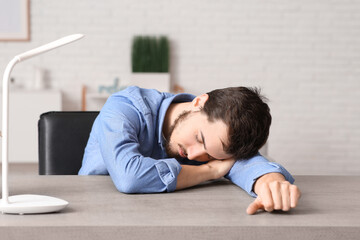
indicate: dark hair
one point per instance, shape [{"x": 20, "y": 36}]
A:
[{"x": 247, "y": 116}]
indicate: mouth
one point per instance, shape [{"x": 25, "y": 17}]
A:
[{"x": 182, "y": 152}]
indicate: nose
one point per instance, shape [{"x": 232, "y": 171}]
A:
[{"x": 196, "y": 152}]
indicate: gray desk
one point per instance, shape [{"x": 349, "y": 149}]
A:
[{"x": 329, "y": 209}]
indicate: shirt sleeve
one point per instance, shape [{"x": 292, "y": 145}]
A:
[
  {"x": 244, "y": 173},
  {"x": 131, "y": 172}
]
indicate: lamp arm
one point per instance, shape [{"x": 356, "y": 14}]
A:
[
  {"x": 49, "y": 46},
  {"x": 5, "y": 128}
]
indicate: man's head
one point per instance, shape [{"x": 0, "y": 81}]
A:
[
  {"x": 224, "y": 123},
  {"x": 245, "y": 113}
]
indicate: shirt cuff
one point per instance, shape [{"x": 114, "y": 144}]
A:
[{"x": 168, "y": 170}]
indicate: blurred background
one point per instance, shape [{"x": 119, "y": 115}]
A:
[{"x": 304, "y": 55}]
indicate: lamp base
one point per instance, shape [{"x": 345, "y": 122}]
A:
[{"x": 32, "y": 204}]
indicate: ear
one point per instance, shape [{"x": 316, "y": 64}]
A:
[{"x": 199, "y": 101}]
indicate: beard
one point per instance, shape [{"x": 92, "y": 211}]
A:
[{"x": 169, "y": 151}]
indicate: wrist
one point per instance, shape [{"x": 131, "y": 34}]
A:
[
  {"x": 212, "y": 171},
  {"x": 208, "y": 171},
  {"x": 193, "y": 175}
]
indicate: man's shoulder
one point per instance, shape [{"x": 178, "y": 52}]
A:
[
  {"x": 139, "y": 94},
  {"x": 143, "y": 100}
]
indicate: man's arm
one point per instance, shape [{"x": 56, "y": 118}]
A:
[
  {"x": 192, "y": 175},
  {"x": 118, "y": 128},
  {"x": 268, "y": 181},
  {"x": 245, "y": 172},
  {"x": 272, "y": 189}
]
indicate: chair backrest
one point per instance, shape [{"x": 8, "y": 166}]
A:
[{"x": 62, "y": 139}]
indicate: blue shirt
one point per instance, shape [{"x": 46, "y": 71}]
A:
[{"x": 126, "y": 142}]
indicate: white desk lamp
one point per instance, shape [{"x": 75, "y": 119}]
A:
[{"x": 27, "y": 203}]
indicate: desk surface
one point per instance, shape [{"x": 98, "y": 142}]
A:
[{"x": 328, "y": 209}]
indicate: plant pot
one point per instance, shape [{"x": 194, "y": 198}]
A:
[{"x": 158, "y": 81}]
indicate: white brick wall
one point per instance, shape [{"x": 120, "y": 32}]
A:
[{"x": 304, "y": 54}]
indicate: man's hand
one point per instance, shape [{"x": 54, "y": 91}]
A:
[
  {"x": 192, "y": 175},
  {"x": 220, "y": 167},
  {"x": 274, "y": 193}
]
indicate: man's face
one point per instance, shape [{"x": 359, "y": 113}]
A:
[{"x": 194, "y": 137}]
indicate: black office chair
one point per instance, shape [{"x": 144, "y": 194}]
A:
[{"x": 62, "y": 140}]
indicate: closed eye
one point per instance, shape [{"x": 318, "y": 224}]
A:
[
  {"x": 201, "y": 141},
  {"x": 197, "y": 139}
]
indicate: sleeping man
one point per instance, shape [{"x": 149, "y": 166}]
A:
[{"x": 149, "y": 142}]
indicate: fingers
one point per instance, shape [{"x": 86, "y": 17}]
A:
[
  {"x": 285, "y": 193},
  {"x": 254, "y": 206},
  {"x": 276, "y": 195},
  {"x": 275, "y": 188},
  {"x": 267, "y": 198},
  {"x": 220, "y": 168},
  {"x": 295, "y": 195}
]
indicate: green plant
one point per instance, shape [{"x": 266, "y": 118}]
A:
[{"x": 150, "y": 54}]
